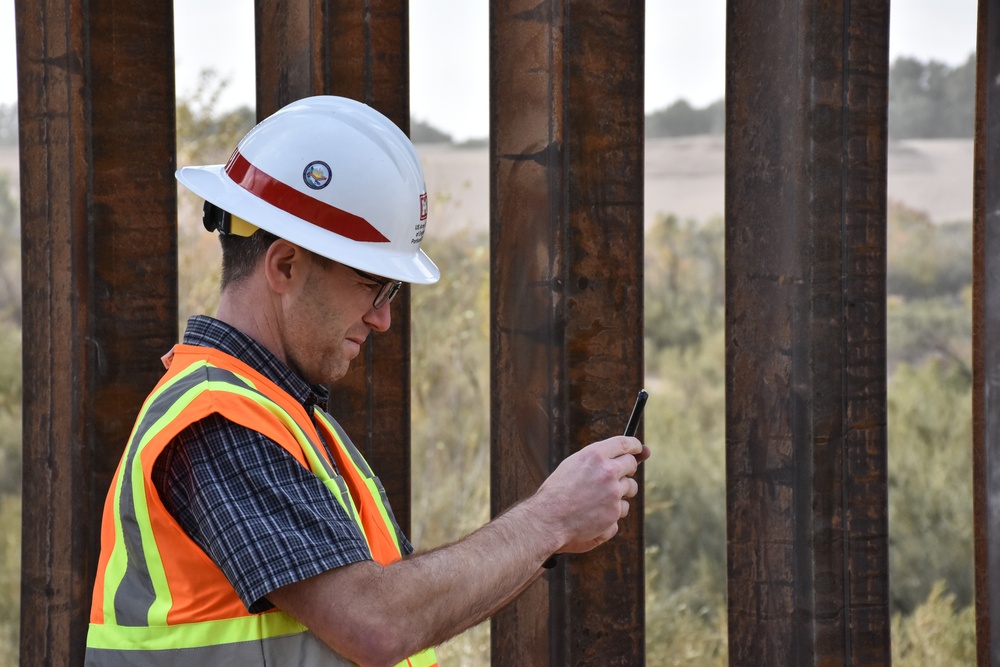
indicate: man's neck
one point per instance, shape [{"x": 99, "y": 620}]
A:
[{"x": 252, "y": 311}]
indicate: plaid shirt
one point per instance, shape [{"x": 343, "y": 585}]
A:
[{"x": 262, "y": 517}]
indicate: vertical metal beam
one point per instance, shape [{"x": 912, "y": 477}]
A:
[
  {"x": 98, "y": 211},
  {"x": 566, "y": 159},
  {"x": 289, "y": 52},
  {"x": 806, "y": 99},
  {"x": 985, "y": 332},
  {"x": 357, "y": 49}
]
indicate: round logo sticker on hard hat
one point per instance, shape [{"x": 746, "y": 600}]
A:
[{"x": 317, "y": 175}]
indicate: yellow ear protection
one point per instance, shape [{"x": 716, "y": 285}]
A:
[{"x": 214, "y": 218}]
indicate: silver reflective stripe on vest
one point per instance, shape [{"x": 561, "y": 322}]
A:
[
  {"x": 300, "y": 650},
  {"x": 135, "y": 595},
  {"x": 362, "y": 465}
]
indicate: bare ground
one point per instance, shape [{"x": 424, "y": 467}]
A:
[{"x": 684, "y": 176}]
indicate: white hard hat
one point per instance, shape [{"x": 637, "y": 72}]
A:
[{"x": 334, "y": 176}]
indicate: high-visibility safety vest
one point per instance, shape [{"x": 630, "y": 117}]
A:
[{"x": 159, "y": 600}]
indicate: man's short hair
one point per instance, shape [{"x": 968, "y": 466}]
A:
[{"x": 240, "y": 254}]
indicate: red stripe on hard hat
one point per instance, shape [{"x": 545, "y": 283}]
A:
[{"x": 290, "y": 200}]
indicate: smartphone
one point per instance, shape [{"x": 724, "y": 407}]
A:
[{"x": 633, "y": 421}]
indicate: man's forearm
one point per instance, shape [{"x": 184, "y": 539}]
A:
[
  {"x": 376, "y": 615},
  {"x": 472, "y": 579},
  {"x": 425, "y": 599}
]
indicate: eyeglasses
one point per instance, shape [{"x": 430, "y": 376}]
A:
[{"x": 387, "y": 289}]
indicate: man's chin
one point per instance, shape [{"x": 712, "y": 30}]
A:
[
  {"x": 339, "y": 372},
  {"x": 328, "y": 375}
]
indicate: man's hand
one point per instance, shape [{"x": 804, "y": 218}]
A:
[{"x": 586, "y": 496}]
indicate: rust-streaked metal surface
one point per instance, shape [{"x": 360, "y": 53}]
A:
[
  {"x": 357, "y": 49},
  {"x": 566, "y": 160},
  {"x": 985, "y": 334},
  {"x": 806, "y": 100},
  {"x": 98, "y": 212}
]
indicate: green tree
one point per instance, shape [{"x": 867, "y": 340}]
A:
[
  {"x": 680, "y": 119},
  {"x": 929, "y": 315},
  {"x": 450, "y": 410},
  {"x": 10, "y": 578},
  {"x": 425, "y": 133},
  {"x": 8, "y": 124},
  {"x": 926, "y": 259},
  {"x": 204, "y": 136},
  {"x": 685, "y": 482},
  {"x": 10, "y": 253},
  {"x": 10, "y": 423},
  {"x": 931, "y": 100},
  {"x": 936, "y": 328},
  {"x": 685, "y": 490},
  {"x": 929, "y": 284},
  {"x": 929, "y": 334},
  {"x": 684, "y": 270},
  {"x": 450, "y": 343},
  {"x": 930, "y": 483},
  {"x": 936, "y": 633}
]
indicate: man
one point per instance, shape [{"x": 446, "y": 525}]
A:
[{"x": 242, "y": 526}]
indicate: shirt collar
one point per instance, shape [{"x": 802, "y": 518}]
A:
[{"x": 207, "y": 331}]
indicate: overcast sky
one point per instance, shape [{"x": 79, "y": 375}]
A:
[{"x": 685, "y": 51}]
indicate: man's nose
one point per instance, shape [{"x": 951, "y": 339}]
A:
[{"x": 379, "y": 319}]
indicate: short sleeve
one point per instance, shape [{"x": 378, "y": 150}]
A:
[{"x": 262, "y": 517}]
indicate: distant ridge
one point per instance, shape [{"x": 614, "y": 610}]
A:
[{"x": 684, "y": 176}]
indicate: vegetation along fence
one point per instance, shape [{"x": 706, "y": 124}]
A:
[{"x": 805, "y": 408}]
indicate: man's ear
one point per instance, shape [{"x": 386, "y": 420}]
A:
[{"x": 284, "y": 263}]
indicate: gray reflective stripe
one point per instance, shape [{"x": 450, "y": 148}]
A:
[
  {"x": 322, "y": 458},
  {"x": 359, "y": 461},
  {"x": 362, "y": 465},
  {"x": 345, "y": 494},
  {"x": 135, "y": 594},
  {"x": 400, "y": 538},
  {"x": 292, "y": 650}
]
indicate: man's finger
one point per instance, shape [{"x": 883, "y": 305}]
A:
[{"x": 620, "y": 445}]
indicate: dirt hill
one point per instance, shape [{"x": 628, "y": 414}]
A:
[{"x": 685, "y": 176}]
